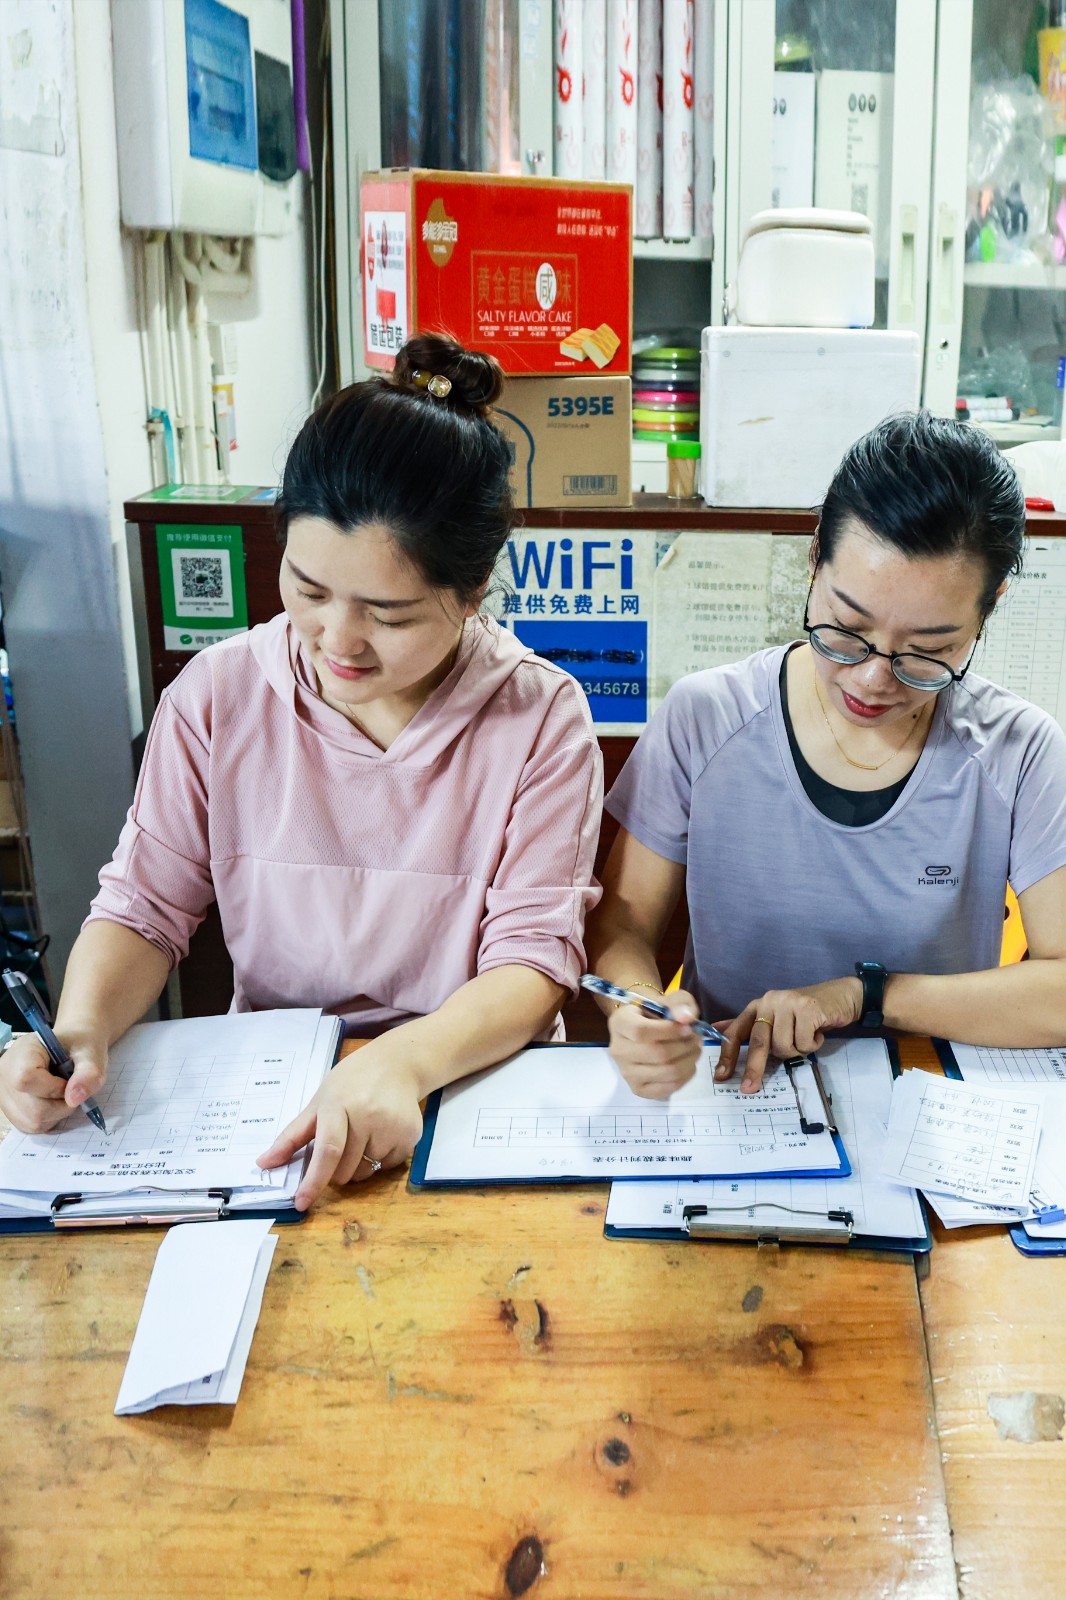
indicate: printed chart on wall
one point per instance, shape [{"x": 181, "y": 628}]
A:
[
  {"x": 583, "y": 601},
  {"x": 201, "y": 584},
  {"x": 721, "y": 596},
  {"x": 1024, "y": 647}
]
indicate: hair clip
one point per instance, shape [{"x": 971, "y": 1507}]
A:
[{"x": 437, "y": 385}]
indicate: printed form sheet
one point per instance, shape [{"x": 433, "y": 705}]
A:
[
  {"x": 1043, "y": 1068},
  {"x": 1024, "y": 645},
  {"x": 978, "y": 1143},
  {"x": 188, "y": 1104},
  {"x": 566, "y": 1112},
  {"x": 858, "y": 1075}
]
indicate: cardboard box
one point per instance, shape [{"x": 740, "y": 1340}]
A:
[
  {"x": 793, "y": 170},
  {"x": 571, "y": 438},
  {"x": 853, "y": 154},
  {"x": 515, "y": 266},
  {"x": 782, "y": 405}
]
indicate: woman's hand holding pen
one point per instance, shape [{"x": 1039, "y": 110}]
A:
[
  {"x": 31, "y": 1097},
  {"x": 365, "y": 1116},
  {"x": 655, "y": 1057},
  {"x": 785, "y": 1023}
]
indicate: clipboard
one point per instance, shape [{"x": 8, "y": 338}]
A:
[
  {"x": 73, "y": 1212},
  {"x": 419, "y": 1177},
  {"x": 1023, "y": 1242},
  {"x": 788, "y": 1225},
  {"x": 158, "y": 1205}
]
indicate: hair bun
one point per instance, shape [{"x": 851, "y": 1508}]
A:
[{"x": 476, "y": 378}]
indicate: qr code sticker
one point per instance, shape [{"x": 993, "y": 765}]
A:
[
  {"x": 201, "y": 577},
  {"x": 203, "y": 584}
]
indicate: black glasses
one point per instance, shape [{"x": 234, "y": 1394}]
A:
[{"x": 848, "y": 649}]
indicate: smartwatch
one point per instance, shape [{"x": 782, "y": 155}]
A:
[{"x": 873, "y": 977}]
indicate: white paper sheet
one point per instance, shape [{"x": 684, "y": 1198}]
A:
[
  {"x": 1044, "y": 1071},
  {"x": 978, "y": 1143},
  {"x": 858, "y": 1075},
  {"x": 989, "y": 1064},
  {"x": 199, "y": 1315},
  {"x": 189, "y": 1105},
  {"x": 1024, "y": 644},
  {"x": 955, "y": 1212},
  {"x": 565, "y": 1112}
]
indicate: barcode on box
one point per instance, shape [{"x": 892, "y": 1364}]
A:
[{"x": 586, "y": 483}]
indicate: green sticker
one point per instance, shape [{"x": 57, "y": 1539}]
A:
[
  {"x": 201, "y": 583},
  {"x": 204, "y": 493}
]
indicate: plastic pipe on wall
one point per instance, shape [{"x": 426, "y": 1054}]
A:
[
  {"x": 181, "y": 354},
  {"x": 153, "y": 428},
  {"x": 299, "y": 86}
]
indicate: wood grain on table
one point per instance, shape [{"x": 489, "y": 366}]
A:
[
  {"x": 473, "y": 1393},
  {"x": 996, "y": 1330}
]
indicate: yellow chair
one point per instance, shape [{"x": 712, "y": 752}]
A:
[{"x": 1014, "y": 944}]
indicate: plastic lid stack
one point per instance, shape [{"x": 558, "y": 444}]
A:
[{"x": 666, "y": 394}]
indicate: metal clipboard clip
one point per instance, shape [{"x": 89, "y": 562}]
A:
[
  {"x": 828, "y": 1124},
  {"x": 92, "y": 1211},
  {"x": 839, "y": 1225}
]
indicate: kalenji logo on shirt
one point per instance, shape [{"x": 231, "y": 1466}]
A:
[{"x": 938, "y": 877}]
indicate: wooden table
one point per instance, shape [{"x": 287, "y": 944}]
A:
[
  {"x": 464, "y": 1394},
  {"x": 996, "y": 1330}
]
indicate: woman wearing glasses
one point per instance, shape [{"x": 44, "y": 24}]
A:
[{"x": 843, "y": 814}]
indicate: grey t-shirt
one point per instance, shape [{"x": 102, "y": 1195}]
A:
[{"x": 780, "y": 896}]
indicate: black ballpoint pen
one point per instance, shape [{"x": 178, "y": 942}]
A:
[{"x": 29, "y": 1002}]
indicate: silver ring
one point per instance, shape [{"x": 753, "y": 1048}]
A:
[{"x": 375, "y": 1166}]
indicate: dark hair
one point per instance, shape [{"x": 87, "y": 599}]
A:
[
  {"x": 433, "y": 468},
  {"x": 930, "y": 486}
]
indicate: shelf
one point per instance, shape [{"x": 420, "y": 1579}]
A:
[
  {"x": 1013, "y": 275},
  {"x": 1027, "y": 430},
  {"x": 673, "y": 249}
]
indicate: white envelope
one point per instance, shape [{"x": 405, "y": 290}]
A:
[{"x": 199, "y": 1316}]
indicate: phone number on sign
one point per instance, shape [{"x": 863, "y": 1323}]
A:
[{"x": 614, "y": 686}]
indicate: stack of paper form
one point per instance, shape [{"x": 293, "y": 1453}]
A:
[
  {"x": 189, "y": 1106},
  {"x": 1033, "y": 1076}
]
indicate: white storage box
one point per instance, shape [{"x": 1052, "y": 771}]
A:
[
  {"x": 806, "y": 268},
  {"x": 780, "y": 406}
]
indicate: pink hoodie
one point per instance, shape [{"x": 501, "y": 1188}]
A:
[{"x": 372, "y": 883}]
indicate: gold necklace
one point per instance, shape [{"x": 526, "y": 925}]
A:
[{"x": 863, "y": 766}]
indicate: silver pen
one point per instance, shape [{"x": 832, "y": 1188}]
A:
[{"x": 653, "y": 1008}]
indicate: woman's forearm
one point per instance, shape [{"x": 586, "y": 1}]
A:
[
  {"x": 1015, "y": 1006},
  {"x": 489, "y": 1018},
  {"x": 113, "y": 976}
]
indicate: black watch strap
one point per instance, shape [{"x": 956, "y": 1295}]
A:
[{"x": 873, "y": 977}]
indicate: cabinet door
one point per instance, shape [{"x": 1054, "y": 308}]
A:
[
  {"x": 831, "y": 104},
  {"x": 996, "y": 320}
]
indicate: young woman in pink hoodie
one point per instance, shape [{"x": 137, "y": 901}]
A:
[{"x": 394, "y": 802}]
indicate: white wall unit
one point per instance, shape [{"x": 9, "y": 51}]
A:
[
  {"x": 753, "y": 26},
  {"x": 948, "y": 220},
  {"x": 912, "y": 143}
]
